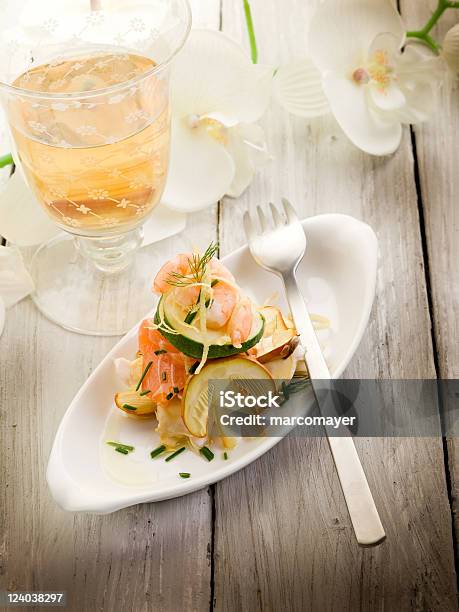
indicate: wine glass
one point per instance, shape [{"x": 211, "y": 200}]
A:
[{"x": 85, "y": 88}]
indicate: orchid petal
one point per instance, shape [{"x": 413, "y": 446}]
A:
[
  {"x": 388, "y": 96},
  {"x": 15, "y": 281},
  {"x": 388, "y": 99},
  {"x": 201, "y": 170},
  {"x": 364, "y": 128},
  {"x": 22, "y": 220},
  {"x": 162, "y": 223},
  {"x": 414, "y": 66},
  {"x": 297, "y": 87},
  {"x": 214, "y": 78},
  {"x": 419, "y": 105},
  {"x": 450, "y": 50},
  {"x": 387, "y": 43},
  {"x": 341, "y": 31},
  {"x": 247, "y": 147}
]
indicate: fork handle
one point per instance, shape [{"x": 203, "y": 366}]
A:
[
  {"x": 364, "y": 516},
  {"x": 317, "y": 366}
]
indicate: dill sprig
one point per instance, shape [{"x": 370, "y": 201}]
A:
[{"x": 198, "y": 266}]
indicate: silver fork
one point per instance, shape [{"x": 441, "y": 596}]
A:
[{"x": 280, "y": 250}]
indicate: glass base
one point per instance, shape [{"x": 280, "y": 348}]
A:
[{"x": 96, "y": 288}]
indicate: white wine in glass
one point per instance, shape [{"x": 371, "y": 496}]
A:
[
  {"x": 97, "y": 170},
  {"x": 85, "y": 88}
]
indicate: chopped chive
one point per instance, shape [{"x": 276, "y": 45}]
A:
[
  {"x": 163, "y": 376},
  {"x": 177, "y": 452},
  {"x": 175, "y": 390},
  {"x": 190, "y": 317},
  {"x": 169, "y": 396},
  {"x": 119, "y": 445},
  {"x": 160, "y": 352},
  {"x": 193, "y": 368},
  {"x": 148, "y": 366},
  {"x": 129, "y": 407},
  {"x": 184, "y": 474},
  {"x": 157, "y": 451},
  {"x": 145, "y": 393},
  {"x": 225, "y": 456},
  {"x": 214, "y": 282},
  {"x": 123, "y": 451},
  {"x": 208, "y": 454}
]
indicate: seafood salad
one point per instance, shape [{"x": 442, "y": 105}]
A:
[{"x": 205, "y": 327}]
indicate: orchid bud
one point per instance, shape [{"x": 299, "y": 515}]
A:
[{"x": 450, "y": 49}]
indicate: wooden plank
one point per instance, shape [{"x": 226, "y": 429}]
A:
[
  {"x": 149, "y": 557},
  {"x": 146, "y": 557},
  {"x": 437, "y": 149},
  {"x": 291, "y": 545}
]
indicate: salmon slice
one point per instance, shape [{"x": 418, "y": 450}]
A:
[{"x": 169, "y": 370}]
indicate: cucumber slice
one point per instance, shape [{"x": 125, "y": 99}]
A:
[
  {"x": 187, "y": 339},
  {"x": 195, "y": 402}
]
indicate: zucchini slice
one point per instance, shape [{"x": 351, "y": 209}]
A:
[
  {"x": 186, "y": 339},
  {"x": 195, "y": 401}
]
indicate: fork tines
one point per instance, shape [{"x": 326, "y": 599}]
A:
[{"x": 277, "y": 219}]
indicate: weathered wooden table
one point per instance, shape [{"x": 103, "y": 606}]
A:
[{"x": 277, "y": 534}]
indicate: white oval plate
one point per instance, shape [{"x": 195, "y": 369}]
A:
[{"x": 337, "y": 277}]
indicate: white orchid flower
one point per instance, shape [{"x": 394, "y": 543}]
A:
[
  {"x": 450, "y": 49},
  {"x": 298, "y": 88},
  {"x": 371, "y": 86},
  {"x": 217, "y": 96},
  {"x": 15, "y": 281}
]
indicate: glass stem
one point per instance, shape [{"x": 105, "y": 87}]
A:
[{"x": 111, "y": 254}]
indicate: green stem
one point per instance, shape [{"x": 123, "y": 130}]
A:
[
  {"x": 6, "y": 160},
  {"x": 425, "y": 38},
  {"x": 251, "y": 32},
  {"x": 438, "y": 12},
  {"x": 423, "y": 35}
]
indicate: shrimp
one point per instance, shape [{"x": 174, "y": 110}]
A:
[
  {"x": 224, "y": 295},
  {"x": 187, "y": 297},
  {"x": 179, "y": 264},
  {"x": 240, "y": 322},
  {"x": 169, "y": 369},
  {"x": 224, "y": 299},
  {"x": 218, "y": 269}
]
